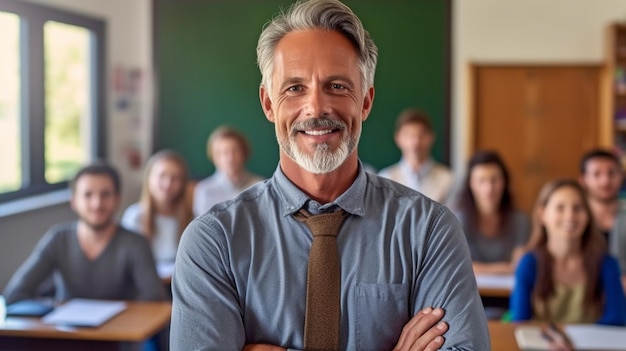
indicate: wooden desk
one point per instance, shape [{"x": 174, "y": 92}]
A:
[
  {"x": 140, "y": 321},
  {"x": 502, "y": 336},
  {"x": 494, "y": 292}
]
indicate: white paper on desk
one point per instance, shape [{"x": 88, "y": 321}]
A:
[
  {"x": 597, "y": 337},
  {"x": 84, "y": 312},
  {"x": 495, "y": 281}
]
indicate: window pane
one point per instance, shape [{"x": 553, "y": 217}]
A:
[
  {"x": 10, "y": 160},
  {"x": 67, "y": 93}
]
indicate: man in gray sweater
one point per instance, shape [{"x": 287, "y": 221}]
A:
[{"x": 92, "y": 257}]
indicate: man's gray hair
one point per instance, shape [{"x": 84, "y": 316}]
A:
[{"x": 317, "y": 14}]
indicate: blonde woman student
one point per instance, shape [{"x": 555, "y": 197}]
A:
[
  {"x": 567, "y": 277},
  {"x": 162, "y": 212}
]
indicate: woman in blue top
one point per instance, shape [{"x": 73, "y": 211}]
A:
[{"x": 568, "y": 277}]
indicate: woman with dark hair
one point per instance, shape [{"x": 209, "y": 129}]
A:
[
  {"x": 568, "y": 277},
  {"x": 496, "y": 232}
]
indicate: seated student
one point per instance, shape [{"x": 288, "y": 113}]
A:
[
  {"x": 601, "y": 176},
  {"x": 568, "y": 277},
  {"x": 229, "y": 151},
  {"x": 417, "y": 170},
  {"x": 92, "y": 257},
  {"x": 496, "y": 232},
  {"x": 161, "y": 213}
]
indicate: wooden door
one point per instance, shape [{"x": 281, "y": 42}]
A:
[{"x": 540, "y": 119}]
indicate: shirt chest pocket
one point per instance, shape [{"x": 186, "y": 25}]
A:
[{"x": 381, "y": 312}]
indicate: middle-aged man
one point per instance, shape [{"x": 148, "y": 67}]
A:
[
  {"x": 601, "y": 176},
  {"x": 244, "y": 278}
]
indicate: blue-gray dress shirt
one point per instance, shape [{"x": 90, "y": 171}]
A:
[{"x": 241, "y": 269}]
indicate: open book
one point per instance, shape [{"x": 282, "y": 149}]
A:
[
  {"x": 84, "y": 312},
  {"x": 530, "y": 338},
  {"x": 583, "y": 337}
]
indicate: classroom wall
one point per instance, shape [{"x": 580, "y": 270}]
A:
[
  {"x": 529, "y": 31},
  {"x": 497, "y": 31},
  {"x": 129, "y": 46}
]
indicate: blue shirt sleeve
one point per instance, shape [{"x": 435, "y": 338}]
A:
[
  {"x": 206, "y": 309},
  {"x": 521, "y": 297},
  {"x": 614, "y": 309}
]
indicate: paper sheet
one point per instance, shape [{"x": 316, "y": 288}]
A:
[
  {"x": 494, "y": 281},
  {"x": 584, "y": 337},
  {"x": 597, "y": 337},
  {"x": 84, "y": 312}
]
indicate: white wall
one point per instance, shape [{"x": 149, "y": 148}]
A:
[
  {"x": 129, "y": 45},
  {"x": 526, "y": 31}
]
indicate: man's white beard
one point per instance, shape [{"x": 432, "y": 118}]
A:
[{"x": 323, "y": 160}]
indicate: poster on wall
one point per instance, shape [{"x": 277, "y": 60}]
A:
[{"x": 127, "y": 89}]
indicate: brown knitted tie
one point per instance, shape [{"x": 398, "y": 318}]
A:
[{"x": 322, "y": 320}]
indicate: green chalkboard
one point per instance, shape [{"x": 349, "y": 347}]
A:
[{"x": 205, "y": 59}]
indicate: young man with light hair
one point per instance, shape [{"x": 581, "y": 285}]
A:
[{"x": 417, "y": 169}]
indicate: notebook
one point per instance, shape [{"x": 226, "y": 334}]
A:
[
  {"x": 29, "y": 308},
  {"x": 530, "y": 338},
  {"x": 583, "y": 337},
  {"x": 84, "y": 312}
]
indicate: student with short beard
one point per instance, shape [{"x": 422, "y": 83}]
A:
[
  {"x": 92, "y": 257},
  {"x": 601, "y": 176}
]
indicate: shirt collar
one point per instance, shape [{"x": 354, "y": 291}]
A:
[{"x": 293, "y": 199}]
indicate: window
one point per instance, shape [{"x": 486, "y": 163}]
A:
[
  {"x": 51, "y": 97},
  {"x": 66, "y": 82},
  {"x": 11, "y": 177}
]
